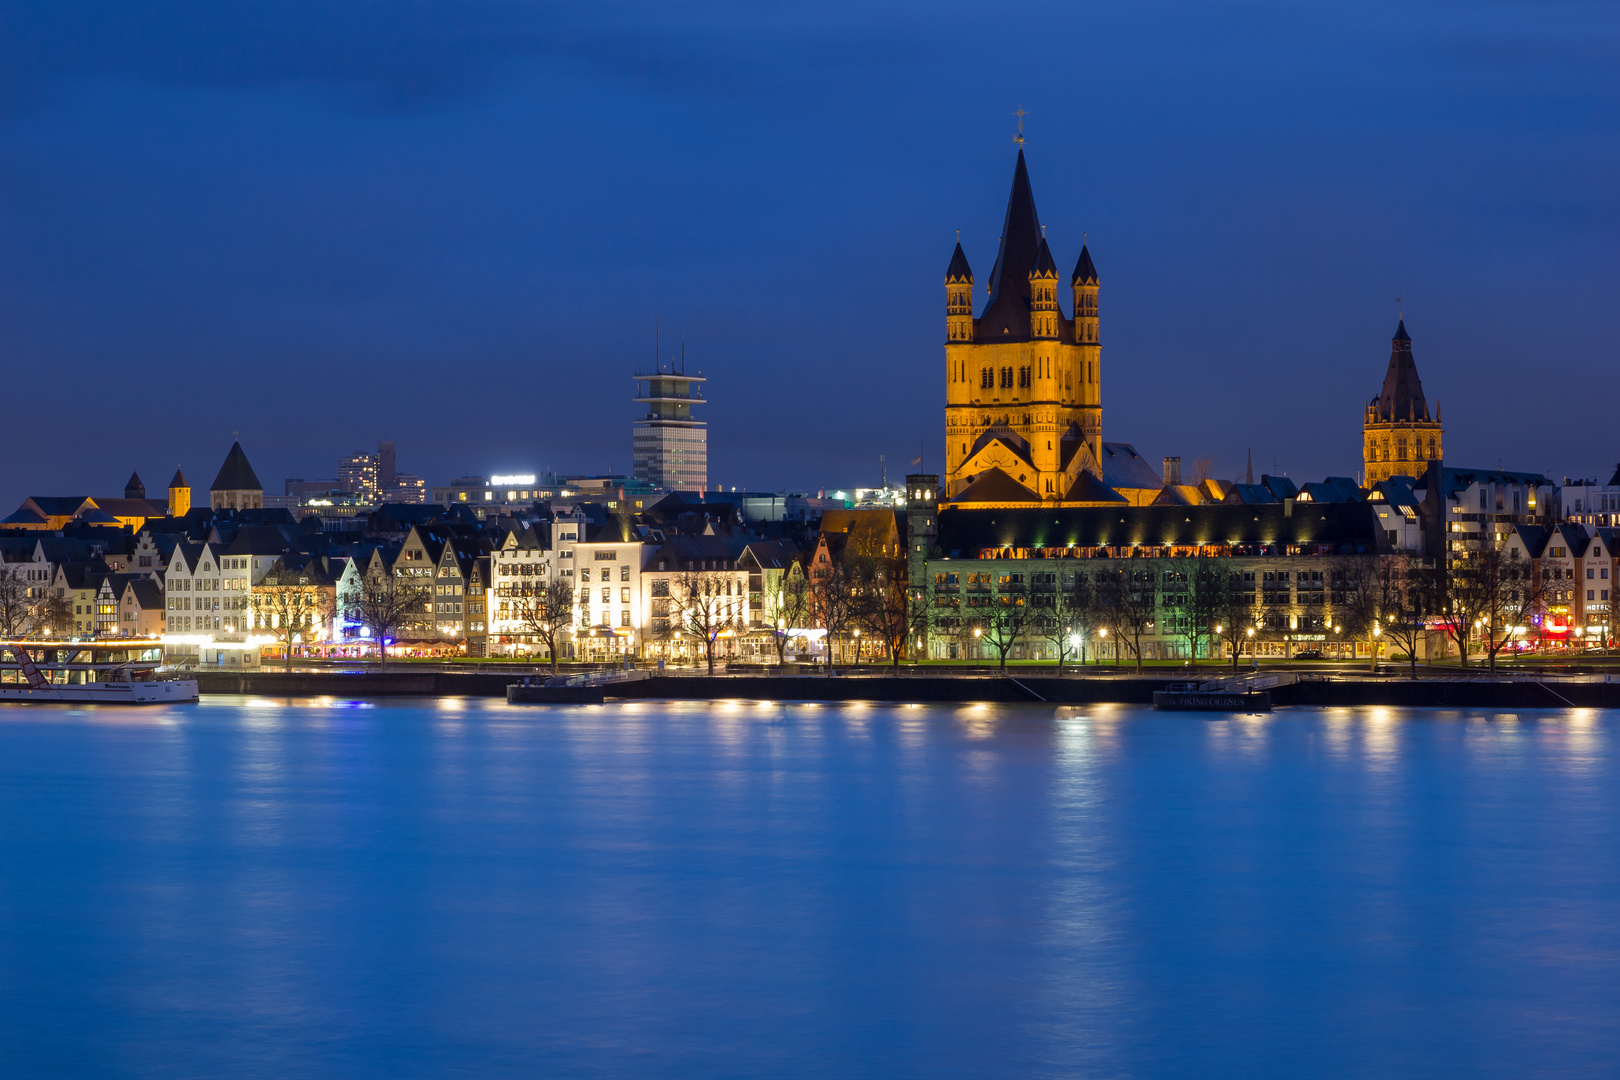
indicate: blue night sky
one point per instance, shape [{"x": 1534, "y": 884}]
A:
[{"x": 452, "y": 224}]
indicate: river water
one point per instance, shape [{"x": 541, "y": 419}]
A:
[{"x": 448, "y": 888}]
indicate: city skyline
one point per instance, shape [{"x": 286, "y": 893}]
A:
[{"x": 426, "y": 205}]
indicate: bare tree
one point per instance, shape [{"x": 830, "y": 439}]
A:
[
  {"x": 17, "y": 604},
  {"x": 1233, "y": 608},
  {"x": 1192, "y": 597},
  {"x": 884, "y": 606},
  {"x": 1131, "y": 600},
  {"x": 1505, "y": 593},
  {"x": 788, "y": 608},
  {"x": 289, "y": 604},
  {"x": 1465, "y": 589},
  {"x": 386, "y": 601},
  {"x": 1064, "y": 614},
  {"x": 1406, "y": 622},
  {"x": 1521, "y": 596},
  {"x": 546, "y": 610},
  {"x": 1366, "y": 595},
  {"x": 832, "y": 592},
  {"x": 704, "y": 612},
  {"x": 1005, "y": 622},
  {"x": 54, "y": 611}
]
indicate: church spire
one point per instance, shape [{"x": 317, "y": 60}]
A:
[{"x": 1006, "y": 316}]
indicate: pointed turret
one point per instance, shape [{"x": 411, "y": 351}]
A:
[
  {"x": 1044, "y": 315},
  {"x": 1402, "y": 396},
  {"x": 134, "y": 489},
  {"x": 1085, "y": 273},
  {"x": 1044, "y": 266},
  {"x": 959, "y": 298},
  {"x": 1084, "y": 284},
  {"x": 1006, "y": 316}
]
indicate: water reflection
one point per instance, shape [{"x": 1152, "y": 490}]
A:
[{"x": 288, "y": 888}]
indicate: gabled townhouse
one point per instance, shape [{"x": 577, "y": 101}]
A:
[
  {"x": 770, "y": 565},
  {"x": 194, "y": 584},
  {"x": 141, "y": 610},
  {"x": 294, "y": 602},
  {"x": 521, "y": 569},
  {"x": 609, "y": 613},
  {"x": 705, "y": 563},
  {"x": 455, "y": 563},
  {"x": 77, "y": 583}
]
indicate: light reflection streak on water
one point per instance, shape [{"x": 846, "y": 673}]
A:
[{"x": 679, "y": 889}]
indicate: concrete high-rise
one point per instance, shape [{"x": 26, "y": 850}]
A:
[{"x": 670, "y": 447}]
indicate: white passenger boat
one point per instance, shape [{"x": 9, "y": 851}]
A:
[{"x": 90, "y": 673}]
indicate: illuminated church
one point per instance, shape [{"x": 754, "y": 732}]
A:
[{"x": 1023, "y": 382}]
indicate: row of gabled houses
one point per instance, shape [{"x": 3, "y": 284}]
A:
[{"x": 208, "y": 579}]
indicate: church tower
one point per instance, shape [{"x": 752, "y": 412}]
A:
[
  {"x": 1398, "y": 437},
  {"x": 179, "y": 494},
  {"x": 1022, "y": 380}
]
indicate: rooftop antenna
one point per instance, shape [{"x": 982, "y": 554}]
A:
[
  {"x": 1020, "y": 113},
  {"x": 1400, "y": 307},
  {"x": 883, "y": 472},
  {"x": 683, "y": 356}
]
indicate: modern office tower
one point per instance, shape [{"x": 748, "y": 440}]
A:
[
  {"x": 670, "y": 448},
  {"x": 357, "y": 474}
]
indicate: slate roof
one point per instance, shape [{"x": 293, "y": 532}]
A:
[
  {"x": 1085, "y": 273},
  {"x": 1006, "y": 316},
  {"x": 1348, "y": 527},
  {"x": 1087, "y": 488},
  {"x": 1123, "y": 467},
  {"x": 1279, "y": 486},
  {"x": 1334, "y": 489},
  {"x": 179, "y": 480},
  {"x": 959, "y": 272},
  {"x": 236, "y": 474},
  {"x": 23, "y": 516},
  {"x": 995, "y": 486},
  {"x": 1249, "y": 495},
  {"x": 1044, "y": 266},
  {"x": 259, "y": 540},
  {"x": 134, "y": 489},
  {"x": 131, "y": 508},
  {"x": 148, "y": 594},
  {"x": 1402, "y": 396},
  {"x": 1455, "y": 481}
]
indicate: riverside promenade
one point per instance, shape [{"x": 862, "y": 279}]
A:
[{"x": 1511, "y": 691}]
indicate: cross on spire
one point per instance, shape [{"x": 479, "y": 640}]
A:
[{"x": 1020, "y": 112}]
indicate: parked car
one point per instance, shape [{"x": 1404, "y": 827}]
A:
[{"x": 1308, "y": 654}]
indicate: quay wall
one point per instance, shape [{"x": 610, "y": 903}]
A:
[{"x": 922, "y": 689}]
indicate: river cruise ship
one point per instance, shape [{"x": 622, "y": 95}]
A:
[{"x": 89, "y": 673}]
